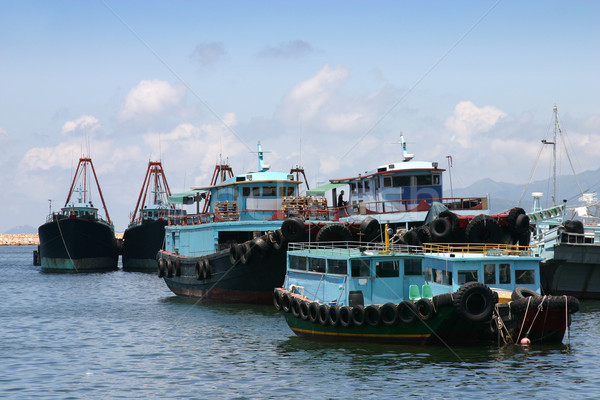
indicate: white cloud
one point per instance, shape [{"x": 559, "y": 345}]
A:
[
  {"x": 148, "y": 99},
  {"x": 469, "y": 120},
  {"x": 86, "y": 124}
]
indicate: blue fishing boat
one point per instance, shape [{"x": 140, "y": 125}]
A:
[
  {"x": 78, "y": 239},
  {"x": 232, "y": 250},
  {"x": 145, "y": 235},
  {"x": 435, "y": 293}
]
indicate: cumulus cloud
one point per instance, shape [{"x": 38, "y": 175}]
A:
[
  {"x": 469, "y": 120},
  {"x": 208, "y": 53},
  {"x": 291, "y": 49},
  {"x": 86, "y": 124},
  {"x": 305, "y": 99},
  {"x": 149, "y": 98}
]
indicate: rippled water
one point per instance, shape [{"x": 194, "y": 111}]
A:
[{"x": 125, "y": 335}]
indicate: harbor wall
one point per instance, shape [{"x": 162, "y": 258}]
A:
[{"x": 21, "y": 239}]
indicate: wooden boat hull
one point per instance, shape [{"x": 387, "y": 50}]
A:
[
  {"x": 77, "y": 245},
  {"x": 228, "y": 281},
  {"x": 141, "y": 244}
]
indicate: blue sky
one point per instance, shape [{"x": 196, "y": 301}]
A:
[{"x": 328, "y": 85}]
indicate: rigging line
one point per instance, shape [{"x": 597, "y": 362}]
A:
[
  {"x": 422, "y": 78},
  {"x": 187, "y": 86},
  {"x": 562, "y": 137}
]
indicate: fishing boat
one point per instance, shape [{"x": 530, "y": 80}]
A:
[
  {"x": 78, "y": 239},
  {"x": 232, "y": 250},
  {"x": 145, "y": 235},
  {"x": 431, "y": 294},
  {"x": 569, "y": 243}
]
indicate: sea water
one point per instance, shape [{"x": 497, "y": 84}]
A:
[{"x": 125, "y": 335}]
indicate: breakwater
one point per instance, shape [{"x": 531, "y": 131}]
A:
[{"x": 19, "y": 239}]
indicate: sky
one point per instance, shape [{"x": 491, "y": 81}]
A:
[{"x": 326, "y": 85}]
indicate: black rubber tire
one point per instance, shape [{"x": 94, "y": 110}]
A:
[
  {"x": 407, "y": 312},
  {"x": 246, "y": 253},
  {"x": 334, "y": 315},
  {"x": 286, "y": 302},
  {"x": 369, "y": 228},
  {"x": 334, "y": 233},
  {"x": 440, "y": 228},
  {"x": 425, "y": 309},
  {"x": 521, "y": 292},
  {"x": 452, "y": 218},
  {"x": 358, "y": 315},
  {"x": 442, "y": 300},
  {"x": 373, "y": 315},
  {"x": 161, "y": 267},
  {"x": 260, "y": 247},
  {"x": 206, "y": 269},
  {"x": 323, "y": 314},
  {"x": 278, "y": 240},
  {"x": 198, "y": 270},
  {"x": 313, "y": 312},
  {"x": 293, "y": 229},
  {"x": 524, "y": 238},
  {"x": 169, "y": 269},
  {"x": 553, "y": 302},
  {"x": 412, "y": 238},
  {"x": 235, "y": 253},
  {"x": 424, "y": 234},
  {"x": 177, "y": 267},
  {"x": 474, "y": 302},
  {"x": 304, "y": 310},
  {"x": 515, "y": 220},
  {"x": 573, "y": 226},
  {"x": 346, "y": 316},
  {"x": 277, "y": 299},
  {"x": 483, "y": 229},
  {"x": 295, "y": 307},
  {"x": 389, "y": 314}
]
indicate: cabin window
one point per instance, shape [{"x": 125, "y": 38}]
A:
[
  {"x": 504, "y": 273},
  {"x": 256, "y": 191},
  {"x": 387, "y": 181},
  {"x": 291, "y": 191},
  {"x": 465, "y": 276},
  {"x": 387, "y": 269},
  {"x": 359, "y": 187},
  {"x": 436, "y": 179},
  {"x": 245, "y": 191},
  {"x": 360, "y": 268},
  {"x": 269, "y": 191},
  {"x": 399, "y": 181},
  {"x": 316, "y": 265},
  {"x": 412, "y": 266},
  {"x": 440, "y": 276},
  {"x": 298, "y": 263},
  {"x": 489, "y": 274},
  {"x": 339, "y": 267},
  {"x": 526, "y": 276},
  {"x": 353, "y": 187},
  {"x": 423, "y": 180},
  {"x": 367, "y": 186},
  {"x": 282, "y": 191}
]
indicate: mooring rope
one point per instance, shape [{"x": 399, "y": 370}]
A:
[{"x": 65, "y": 244}]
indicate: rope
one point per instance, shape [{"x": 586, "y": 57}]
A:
[
  {"x": 523, "y": 323},
  {"x": 65, "y": 244},
  {"x": 566, "y": 319},
  {"x": 540, "y": 307}
]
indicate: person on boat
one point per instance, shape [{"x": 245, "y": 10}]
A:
[{"x": 341, "y": 201}]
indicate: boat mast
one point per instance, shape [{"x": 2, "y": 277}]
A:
[
  {"x": 83, "y": 163},
  {"x": 553, "y": 143},
  {"x": 155, "y": 174}
]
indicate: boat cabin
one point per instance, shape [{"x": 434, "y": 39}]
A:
[{"x": 327, "y": 273}]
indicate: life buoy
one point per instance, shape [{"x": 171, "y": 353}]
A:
[
  {"x": 161, "y": 267},
  {"x": 259, "y": 246},
  {"x": 369, "y": 228},
  {"x": 323, "y": 314},
  {"x": 425, "y": 309},
  {"x": 372, "y": 315},
  {"x": 334, "y": 233},
  {"x": 483, "y": 229},
  {"x": 235, "y": 253},
  {"x": 313, "y": 312},
  {"x": 169, "y": 269},
  {"x": 295, "y": 307},
  {"x": 293, "y": 229},
  {"x": 522, "y": 292},
  {"x": 358, "y": 315},
  {"x": 440, "y": 228},
  {"x": 198, "y": 270},
  {"x": 474, "y": 301},
  {"x": 389, "y": 314},
  {"x": 277, "y": 299},
  {"x": 304, "y": 310},
  {"x": 286, "y": 302},
  {"x": 345, "y": 316},
  {"x": 334, "y": 315},
  {"x": 407, "y": 312}
]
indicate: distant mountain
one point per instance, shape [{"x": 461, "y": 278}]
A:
[
  {"x": 504, "y": 196},
  {"x": 25, "y": 229}
]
